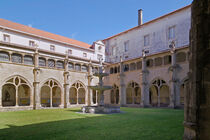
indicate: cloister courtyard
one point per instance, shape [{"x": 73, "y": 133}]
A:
[{"x": 58, "y": 124}]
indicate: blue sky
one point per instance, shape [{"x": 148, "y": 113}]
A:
[{"x": 85, "y": 20}]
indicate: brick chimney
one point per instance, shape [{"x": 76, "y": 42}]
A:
[{"x": 140, "y": 17}]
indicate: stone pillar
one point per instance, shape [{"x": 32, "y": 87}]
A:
[
  {"x": 66, "y": 83},
  {"x": 145, "y": 85},
  {"x": 122, "y": 86},
  {"x": 175, "y": 92},
  {"x": 158, "y": 96},
  {"x": 197, "y": 98},
  {"x": 0, "y": 98},
  {"x": 90, "y": 91},
  {"x": 51, "y": 98},
  {"x": 16, "y": 95},
  {"x": 32, "y": 98},
  {"x": 36, "y": 72}
]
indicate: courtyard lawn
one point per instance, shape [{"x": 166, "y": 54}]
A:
[{"x": 58, "y": 124}]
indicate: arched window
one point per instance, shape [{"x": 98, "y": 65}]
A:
[
  {"x": 115, "y": 69},
  {"x": 4, "y": 56},
  {"x": 133, "y": 93},
  {"x": 16, "y": 91},
  {"x": 167, "y": 59},
  {"x": 78, "y": 67},
  {"x": 126, "y": 67},
  {"x": 77, "y": 93},
  {"x": 181, "y": 57},
  {"x": 71, "y": 66},
  {"x": 158, "y": 61},
  {"x": 28, "y": 60},
  {"x": 16, "y": 58},
  {"x": 111, "y": 70},
  {"x": 133, "y": 66},
  {"x": 42, "y": 62},
  {"x": 149, "y": 63},
  {"x": 84, "y": 68},
  {"x": 51, "y": 63},
  {"x": 60, "y": 65},
  {"x": 139, "y": 65}
]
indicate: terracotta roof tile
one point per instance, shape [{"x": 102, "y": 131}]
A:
[{"x": 30, "y": 30}]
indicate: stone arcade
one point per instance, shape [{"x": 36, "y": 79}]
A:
[{"x": 147, "y": 66}]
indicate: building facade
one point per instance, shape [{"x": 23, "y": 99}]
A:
[
  {"x": 148, "y": 65},
  {"x": 39, "y": 69}
]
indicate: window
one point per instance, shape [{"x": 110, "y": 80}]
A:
[
  {"x": 28, "y": 60},
  {"x": 114, "y": 50},
  {"x": 146, "y": 40},
  {"x": 139, "y": 65},
  {"x": 51, "y": 63},
  {"x": 69, "y": 52},
  {"x": 84, "y": 68},
  {"x": 60, "y": 65},
  {"x": 99, "y": 56},
  {"x": 158, "y": 61},
  {"x": 115, "y": 69},
  {"x": 4, "y": 56},
  {"x": 133, "y": 66},
  {"x": 16, "y": 58},
  {"x": 6, "y": 38},
  {"x": 167, "y": 59},
  {"x": 171, "y": 32},
  {"x": 126, "y": 67},
  {"x": 78, "y": 67},
  {"x": 99, "y": 48},
  {"x": 31, "y": 43},
  {"x": 84, "y": 54},
  {"x": 52, "y": 47},
  {"x": 126, "y": 45},
  {"x": 42, "y": 62},
  {"x": 111, "y": 70},
  {"x": 149, "y": 63},
  {"x": 71, "y": 66}
]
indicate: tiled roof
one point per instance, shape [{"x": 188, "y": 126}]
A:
[
  {"x": 183, "y": 8},
  {"x": 37, "y": 32}
]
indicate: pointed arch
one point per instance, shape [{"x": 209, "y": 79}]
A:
[
  {"x": 16, "y": 91},
  {"x": 159, "y": 92},
  {"x": 133, "y": 93},
  {"x": 51, "y": 93},
  {"x": 77, "y": 93},
  {"x": 114, "y": 94}
]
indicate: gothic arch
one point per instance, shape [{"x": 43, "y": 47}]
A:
[
  {"x": 77, "y": 93},
  {"x": 159, "y": 93},
  {"x": 133, "y": 93},
  {"x": 16, "y": 91},
  {"x": 114, "y": 94},
  {"x": 51, "y": 93}
]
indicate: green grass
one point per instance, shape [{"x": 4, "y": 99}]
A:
[{"x": 52, "y": 124}]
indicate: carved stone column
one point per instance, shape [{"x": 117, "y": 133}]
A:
[
  {"x": 122, "y": 86},
  {"x": 66, "y": 83},
  {"x": 197, "y": 98},
  {"x": 36, "y": 72},
  {"x": 175, "y": 92},
  {"x": 90, "y": 91},
  {"x": 144, "y": 85},
  {"x": 0, "y": 98}
]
